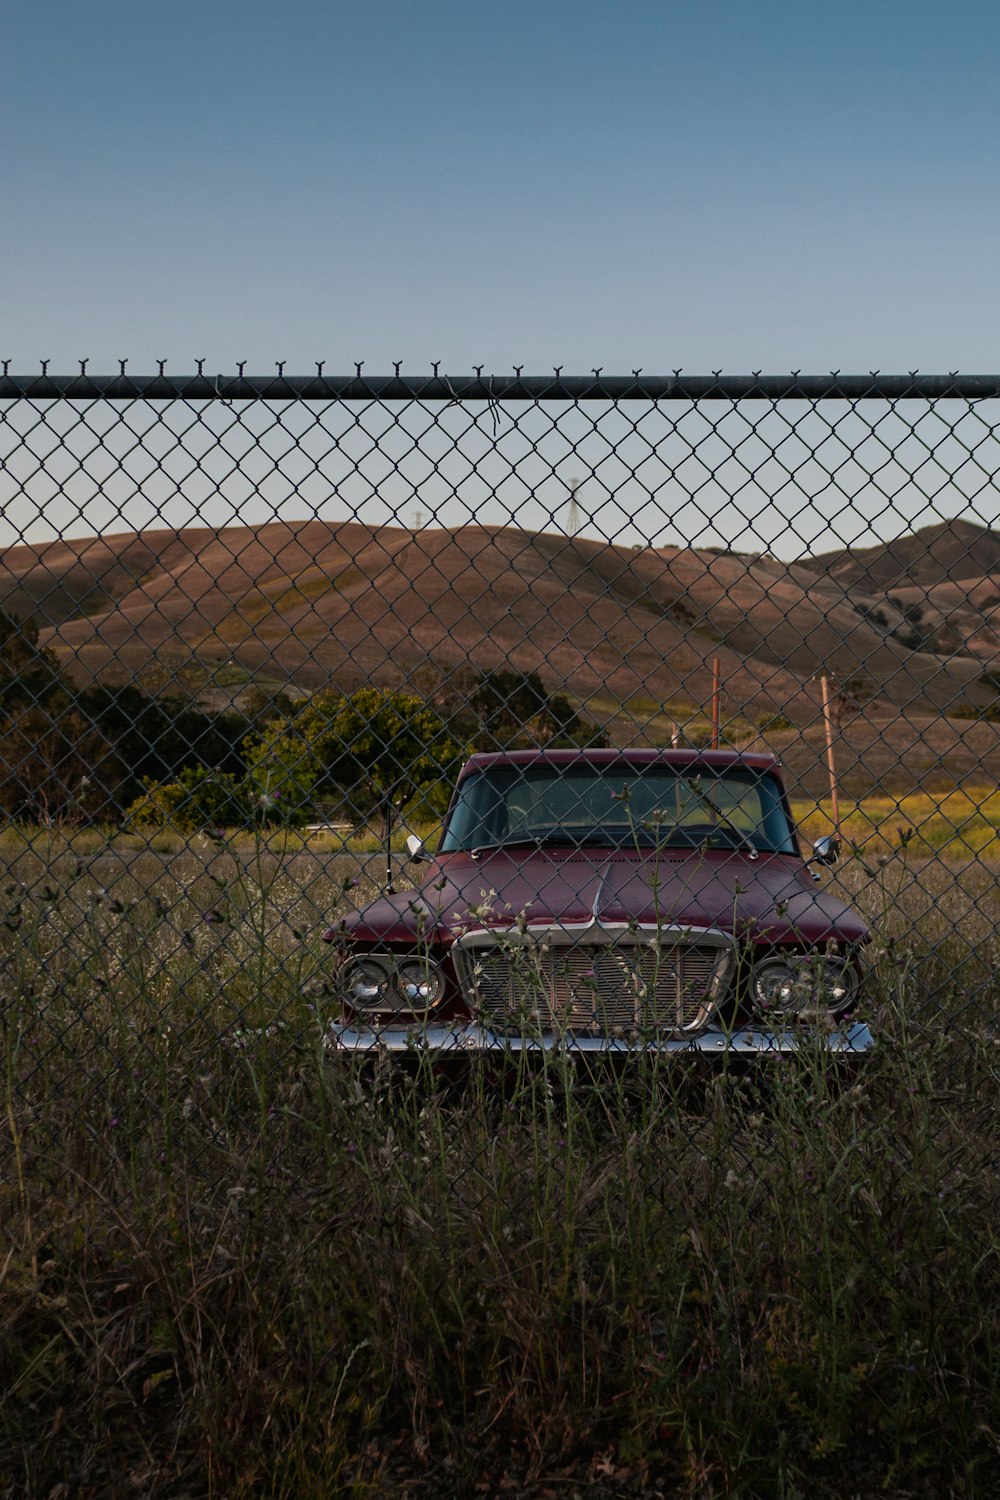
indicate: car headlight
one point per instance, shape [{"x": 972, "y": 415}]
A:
[
  {"x": 803, "y": 984},
  {"x": 386, "y": 984},
  {"x": 366, "y": 984},
  {"x": 419, "y": 984}
]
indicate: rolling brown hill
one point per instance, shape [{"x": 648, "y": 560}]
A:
[
  {"x": 314, "y": 603},
  {"x": 947, "y": 552},
  {"x": 937, "y": 589}
]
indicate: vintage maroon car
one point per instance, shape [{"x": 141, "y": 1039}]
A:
[{"x": 608, "y": 900}]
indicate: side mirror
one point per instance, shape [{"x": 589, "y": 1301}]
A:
[
  {"x": 826, "y": 851},
  {"x": 415, "y": 848}
]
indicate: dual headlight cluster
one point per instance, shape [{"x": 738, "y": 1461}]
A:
[
  {"x": 803, "y": 984},
  {"x": 799, "y": 984},
  {"x": 387, "y": 983}
]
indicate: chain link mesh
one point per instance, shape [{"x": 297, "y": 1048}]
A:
[
  {"x": 583, "y": 732},
  {"x": 249, "y": 639}
]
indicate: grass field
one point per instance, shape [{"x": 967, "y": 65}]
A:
[
  {"x": 232, "y": 1265},
  {"x": 955, "y": 825}
]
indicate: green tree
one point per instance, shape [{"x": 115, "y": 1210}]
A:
[
  {"x": 283, "y": 763},
  {"x": 377, "y": 752},
  {"x": 55, "y": 766},
  {"x": 512, "y": 711},
  {"x": 29, "y": 673}
]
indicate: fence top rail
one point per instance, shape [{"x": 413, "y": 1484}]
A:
[{"x": 492, "y": 388}]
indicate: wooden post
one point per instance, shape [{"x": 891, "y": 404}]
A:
[
  {"x": 716, "y": 705},
  {"x": 831, "y": 763}
]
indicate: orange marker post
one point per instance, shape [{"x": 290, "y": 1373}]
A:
[
  {"x": 716, "y": 703},
  {"x": 831, "y": 763}
]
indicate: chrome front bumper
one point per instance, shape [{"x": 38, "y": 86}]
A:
[{"x": 473, "y": 1038}]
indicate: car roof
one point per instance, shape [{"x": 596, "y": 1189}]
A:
[{"x": 713, "y": 759}]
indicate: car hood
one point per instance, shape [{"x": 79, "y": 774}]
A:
[{"x": 772, "y": 898}]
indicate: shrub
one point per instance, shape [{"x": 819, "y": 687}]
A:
[
  {"x": 859, "y": 688},
  {"x": 198, "y": 798},
  {"x": 157, "y": 737},
  {"x": 990, "y": 712},
  {"x": 773, "y": 723}
]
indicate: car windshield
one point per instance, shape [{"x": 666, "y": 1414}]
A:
[{"x": 621, "y": 807}]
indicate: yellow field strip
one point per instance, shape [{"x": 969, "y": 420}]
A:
[{"x": 956, "y": 824}]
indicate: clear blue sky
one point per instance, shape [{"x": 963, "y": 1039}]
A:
[{"x": 573, "y": 182}]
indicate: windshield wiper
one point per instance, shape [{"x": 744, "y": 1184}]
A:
[
  {"x": 526, "y": 841},
  {"x": 692, "y": 785}
]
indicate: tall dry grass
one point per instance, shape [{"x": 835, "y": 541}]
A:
[{"x": 233, "y": 1264}]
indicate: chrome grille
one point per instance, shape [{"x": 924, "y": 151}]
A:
[{"x": 593, "y": 989}]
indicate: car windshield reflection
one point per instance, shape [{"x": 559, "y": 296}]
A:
[{"x": 513, "y": 807}]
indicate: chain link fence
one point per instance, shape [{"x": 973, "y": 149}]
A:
[
  {"x": 720, "y": 658},
  {"x": 260, "y": 625}
]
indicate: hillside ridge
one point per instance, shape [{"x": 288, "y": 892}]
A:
[{"x": 316, "y": 602}]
